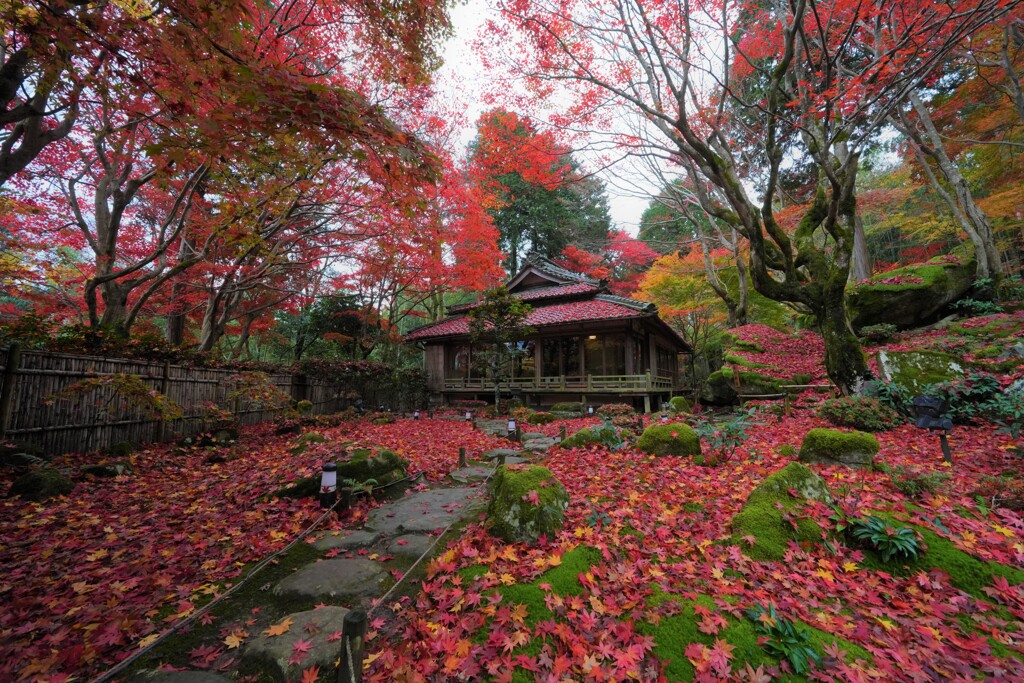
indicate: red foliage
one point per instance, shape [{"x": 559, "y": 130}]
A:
[{"x": 784, "y": 355}]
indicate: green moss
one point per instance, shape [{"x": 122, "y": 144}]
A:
[
  {"x": 918, "y": 369},
  {"x": 591, "y": 437},
  {"x": 966, "y": 572},
  {"x": 834, "y": 443},
  {"x": 384, "y": 466},
  {"x": 674, "y": 438},
  {"x": 40, "y": 484},
  {"x": 739, "y": 360},
  {"x": 568, "y": 407},
  {"x": 672, "y": 635},
  {"x": 787, "y": 450},
  {"x": 692, "y": 506},
  {"x": 540, "y": 418},
  {"x": 930, "y": 275},
  {"x": 302, "y": 443},
  {"x": 762, "y": 518},
  {"x": 511, "y": 515},
  {"x": 680, "y": 404}
]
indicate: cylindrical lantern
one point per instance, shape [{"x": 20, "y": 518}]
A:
[
  {"x": 469, "y": 416},
  {"x": 329, "y": 485},
  {"x": 416, "y": 415},
  {"x": 590, "y": 410},
  {"x": 664, "y": 417},
  {"x": 511, "y": 427}
]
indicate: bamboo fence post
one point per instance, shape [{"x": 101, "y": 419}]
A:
[{"x": 10, "y": 381}]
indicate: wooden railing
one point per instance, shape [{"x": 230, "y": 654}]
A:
[{"x": 562, "y": 383}]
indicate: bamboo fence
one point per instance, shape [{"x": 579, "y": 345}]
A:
[{"x": 33, "y": 411}]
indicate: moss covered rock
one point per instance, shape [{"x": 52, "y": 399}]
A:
[
  {"x": 910, "y": 296},
  {"x": 591, "y": 436},
  {"x": 720, "y": 388},
  {"x": 302, "y": 443},
  {"x": 674, "y": 438},
  {"x": 40, "y": 484},
  {"x": 680, "y": 404},
  {"x": 383, "y": 466},
  {"x": 759, "y": 527},
  {"x": 917, "y": 369},
  {"x": 526, "y": 502},
  {"x": 833, "y": 447}
]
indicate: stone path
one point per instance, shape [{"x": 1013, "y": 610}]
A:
[{"x": 354, "y": 571}]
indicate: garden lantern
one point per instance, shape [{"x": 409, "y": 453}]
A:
[
  {"x": 664, "y": 417},
  {"x": 416, "y": 415},
  {"x": 929, "y": 410},
  {"x": 469, "y": 415},
  {"x": 511, "y": 428},
  {"x": 590, "y": 410},
  {"x": 329, "y": 485}
]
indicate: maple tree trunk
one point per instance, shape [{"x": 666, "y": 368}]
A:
[
  {"x": 860, "y": 266},
  {"x": 844, "y": 359},
  {"x": 743, "y": 277}
]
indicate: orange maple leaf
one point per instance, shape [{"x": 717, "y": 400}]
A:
[
  {"x": 279, "y": 629},
  {"x": 311, "y": 674}
]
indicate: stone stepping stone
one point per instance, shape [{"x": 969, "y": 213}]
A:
[
  {"x": 337, "y": 579},
  {"x": 353, "y": 540},
  {"x": 426, "y": 511},
  {"x": 533, "y": 436},
  {"x": 269, "y": 655},
  {"x": 471, "y": 474},
  {"x": 411, "y": 545},
  {"x": 496, "y": 453},
  {"x": 177, "y": 677}
]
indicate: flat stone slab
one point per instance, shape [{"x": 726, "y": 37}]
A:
[
  {"x": 177, "y": 677},
  {"x": 473, "y": 473},
  {"x": 338, "y": 579},
  {"x": 352, "y": 540},
  {"x": 496, "y": 453},
  {"x": 410, "y": 545},
  {"x": 533, "y": 436},
  {"x": 426, "y": 511},
  {"x": 270, "y": 654}
]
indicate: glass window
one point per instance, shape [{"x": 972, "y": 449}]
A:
[
  {"x": 593, "y": 351},
  {"x": 614, "y": 356},
  {"x": 551, "y": 353}
]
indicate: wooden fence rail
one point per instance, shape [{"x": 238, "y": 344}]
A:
[{"x": 32, "y": 411}]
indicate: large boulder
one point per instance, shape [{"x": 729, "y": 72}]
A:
[
  {"x": 383, "y": 467},
  {"x": 674, "y": 438},
  {"x": 40, "y": 484},
  {"x": 833, "y": 447},
  {"x": 605, "y": 435},
  {"x": 911, "y": 296},
  {"x": 917, "y": 369},
  {"x": 720, "y": 389},
  {"x": 526, "y": 502},
  {"x": 759, "y": 527}
]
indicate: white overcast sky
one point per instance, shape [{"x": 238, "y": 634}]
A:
[{"x": 463, "y": 67}]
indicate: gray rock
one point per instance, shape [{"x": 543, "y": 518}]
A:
[
  {"x": 266, "y": 655},
  {"x": 917, "y": 369},
  {"x": 40, "y": 484},
  {"x": 471, "y": 474},
  {"x": 177, "y": 677},
  {"x": 347, "y": 541},
  {"x": 108, "y": 470},
  {"x": 338, "y": 579},
  {"x": 496, "y": 453},
  {"x": 426, "y": 511},
  {"x": 531, "y": 436},
  {"x": 411, "y": 545},
  {"x": 910, "y": 305}
]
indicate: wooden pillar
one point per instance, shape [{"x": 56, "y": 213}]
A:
[
  {"x": 630, "y": 350},
  {"x": 10, "y": 381}
]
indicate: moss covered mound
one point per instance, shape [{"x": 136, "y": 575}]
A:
[
  {"x": 672, "y": 634},
  {"x": 917, "y": 369},
  {"x": 40, "y": 484},
  {"x": 302, "y": 443},
  {"x": 833, "y": 447},
  {"x": 680, "y": 404},
  {"x": 720, "y": 388},
  {"x": 674, "y": 438},
  {"x": 540, "y": 418},
  {"x": 384, "y": 466},
  {"x": 591, "y": 436},
  {"x": 910, "y": 296},
  {"x": 965, "y": 571},
  {"x": 526, "y": 502},
  {"x": 761, "y": 519}
]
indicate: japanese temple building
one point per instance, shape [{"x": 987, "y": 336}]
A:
[{"x": 586, "y": 345}]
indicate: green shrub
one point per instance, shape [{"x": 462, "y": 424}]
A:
[
  {"x": 680, "y": 404},
  {"x": 723, "y": 438},
  {"x": 610, "y": 410},
  {"x": 304, "y": 407},
  {"x": 540, "y": 418},
  {"x": 973, "y": 307},
  {"x": 669, "y": 439},
  {"x": 892, "y": 542},
  {"x": 860, "y": 412},
  {"x": 605, "y": 435},
  {"x": 568, "y": 407},
  {"x": 782, "y": 639}
]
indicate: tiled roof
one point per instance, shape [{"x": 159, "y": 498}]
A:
[
  {"x": 538, "y": 293},
  {"x": 541, "y": 316},
  {"x": 548, "y": 266}
]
